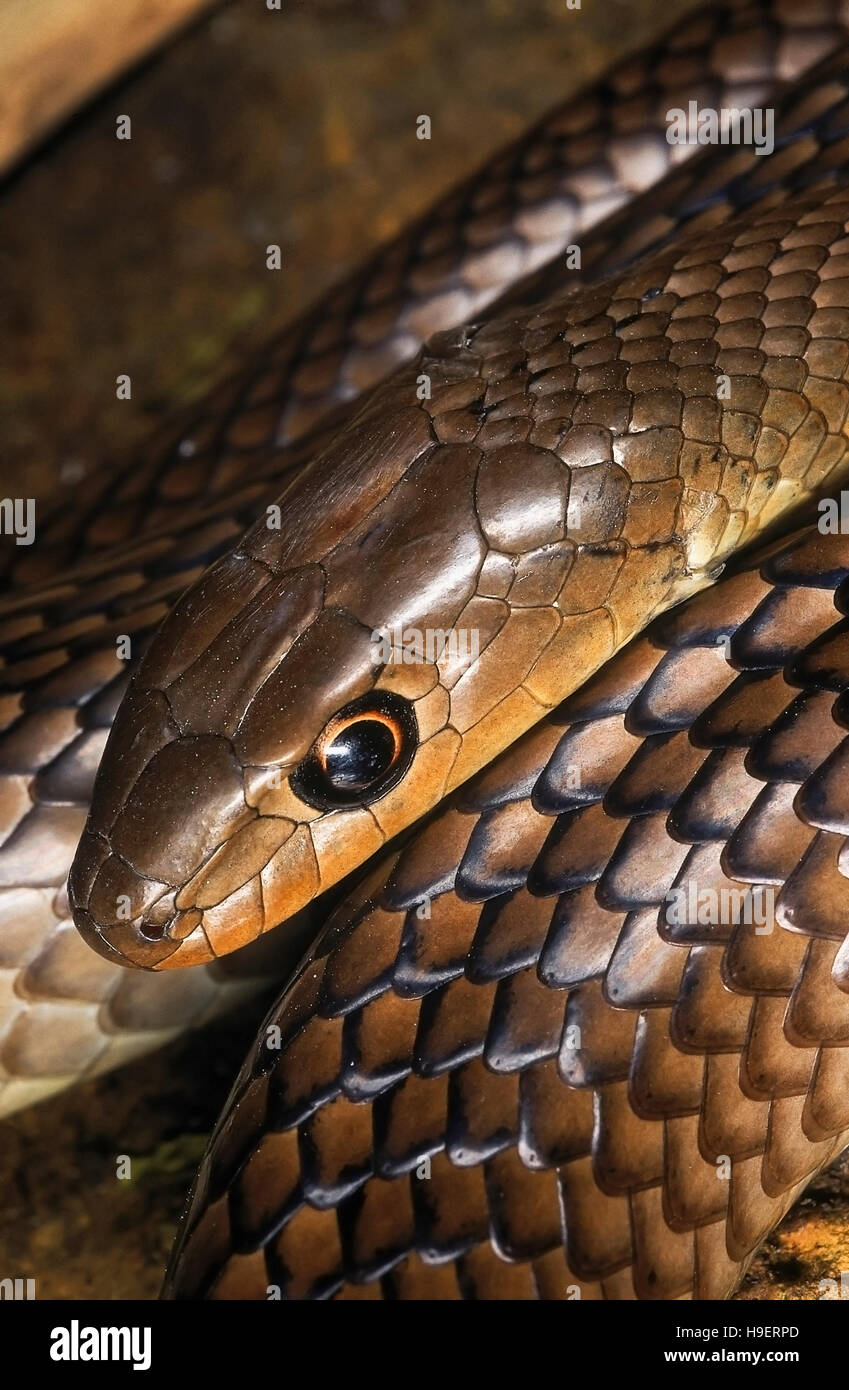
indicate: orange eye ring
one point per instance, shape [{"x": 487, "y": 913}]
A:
[
  {"x": 340, "y": 722},
  {"x": 360, "y": 754}
]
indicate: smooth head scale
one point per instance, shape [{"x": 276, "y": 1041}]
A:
[
  {"x": 327, "y": 682},
  {"x": 497, "y": 521},
  {"x": 266, "y": 744}
]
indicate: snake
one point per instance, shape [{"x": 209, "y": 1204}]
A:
[
  {"x": 138, "y": 533},
  {"x": 501, "y": 1070}
]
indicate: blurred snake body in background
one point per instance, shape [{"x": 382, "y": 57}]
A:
[{"x": 504, "y": 1069}]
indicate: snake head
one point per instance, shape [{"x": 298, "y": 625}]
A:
[
  {"x": 268, "y": 742},
  {"x": 271, "y": 740}
]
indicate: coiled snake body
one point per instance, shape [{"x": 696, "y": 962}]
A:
[{"x": 506, "y": 1070}]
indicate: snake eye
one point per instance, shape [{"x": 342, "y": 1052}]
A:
[{"x": 361, "y": 753}]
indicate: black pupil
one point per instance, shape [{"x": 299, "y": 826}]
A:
[{"x": 359, "y": 754}]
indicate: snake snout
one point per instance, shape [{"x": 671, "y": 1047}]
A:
[
  {"x": 131, "y": 868},
  {"x": 259, "y": 877},
  {"x": 116, "y": 908}
]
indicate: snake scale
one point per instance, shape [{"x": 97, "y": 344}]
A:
[{"x": 503, "y": 1071}]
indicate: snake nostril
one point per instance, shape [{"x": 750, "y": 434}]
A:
[
  {"x": 160, "y": 918},
  {"x": 164, "y": 922},
  {"x": 152, "y": 931}
]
